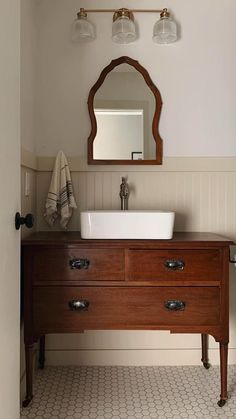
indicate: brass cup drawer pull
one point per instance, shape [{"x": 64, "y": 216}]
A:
[
  {"x": 174, "y": 264},
  {"x": 175, "y": 305},
  {"x": 80, "y": 305},
  {"x": 79, "y": 263}
]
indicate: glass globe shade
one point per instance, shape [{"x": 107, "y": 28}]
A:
[
  {"x": 82, "y": 30},
  {"x": 164, "y": 31},
  {"x": 123, "y": 30}
]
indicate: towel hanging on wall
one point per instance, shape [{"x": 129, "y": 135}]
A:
[{"x": 60, "y": 199}]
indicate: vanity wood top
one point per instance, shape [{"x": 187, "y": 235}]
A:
[{"x": 179, "y": 238}]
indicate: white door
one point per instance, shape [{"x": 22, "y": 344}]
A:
[{"x": 9, "y": 204}]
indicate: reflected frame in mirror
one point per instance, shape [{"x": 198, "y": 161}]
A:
[{"x": 155, "y": 121}]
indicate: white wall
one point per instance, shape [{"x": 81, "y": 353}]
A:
[
  {"x": 196, "y": 78},
  {"x": 196, "y": 75},
  {"x": 10, "y": 203},
  {"x": 28, "y": 76},
  {"x": 29, "y": 59}
]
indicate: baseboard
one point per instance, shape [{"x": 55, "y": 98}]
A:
[{"x": 134, "y": 357}]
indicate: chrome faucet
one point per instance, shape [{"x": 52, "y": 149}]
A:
[{"x": 124, "y": 194}]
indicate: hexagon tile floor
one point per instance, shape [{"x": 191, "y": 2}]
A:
[{"x": 130, "y": 392}]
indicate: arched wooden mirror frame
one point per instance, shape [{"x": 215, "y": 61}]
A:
[{"x": 155, "y": 122}]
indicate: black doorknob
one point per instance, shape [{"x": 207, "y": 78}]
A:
[{"x": 28, "y": 220}]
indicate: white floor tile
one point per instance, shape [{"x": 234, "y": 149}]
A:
[{"x": 130, "y": 393}]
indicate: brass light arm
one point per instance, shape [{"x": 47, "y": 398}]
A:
[
  {"x": 122, "y": 12},
  {"x": 82, "y": 10}
]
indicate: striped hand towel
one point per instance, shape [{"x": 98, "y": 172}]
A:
[{"x": 60, "y": 199}]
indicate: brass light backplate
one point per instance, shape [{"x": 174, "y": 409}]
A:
[
  {"x": 123, "y": 12},
  {"x": 165, "y": 13},
  {"x": 81, "y": 13}
]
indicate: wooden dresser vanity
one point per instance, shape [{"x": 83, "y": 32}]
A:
[{"x": 180, "y": 285}]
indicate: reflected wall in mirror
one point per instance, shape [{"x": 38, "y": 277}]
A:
[{"x": 124, "y": 107}]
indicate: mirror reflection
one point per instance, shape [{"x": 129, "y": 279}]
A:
[{"x": 124, "y": 108}]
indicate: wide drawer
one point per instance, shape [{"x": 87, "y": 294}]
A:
[
  {"x": 73, "y": 264},
  {"x": 123, "y": 307},
  {"x": 180, "y": 265}
]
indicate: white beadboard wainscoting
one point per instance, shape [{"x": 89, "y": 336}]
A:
[
  {"x": 202, "y": 192},
  {"x": 203, "y": 201}
]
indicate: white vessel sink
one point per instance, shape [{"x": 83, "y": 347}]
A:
[{"x": 127, "y": 224}]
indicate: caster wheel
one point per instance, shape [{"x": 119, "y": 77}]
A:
[
  {"x": 221, "y": 402},
  {"x": 26, "y": 402},
  {"x": 206, "y": 365}
]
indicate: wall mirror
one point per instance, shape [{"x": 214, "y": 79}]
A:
[{"x": 124, "y": 107}]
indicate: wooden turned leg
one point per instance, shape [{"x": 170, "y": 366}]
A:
[
  {"x": 41, "y": 352},
  {"x": 204, "y": 359},
  {"x": 223, "y": 373},
  {"x": 29, "y": 352}
]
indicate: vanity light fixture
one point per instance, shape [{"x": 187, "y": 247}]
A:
[
  {"x": 82, "y": 28},
  {"x": 165, "y": 29},
  {"x": 123, "y": 27}
]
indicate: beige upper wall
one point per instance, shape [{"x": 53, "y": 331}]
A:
[{"x": 196, "y": 75}]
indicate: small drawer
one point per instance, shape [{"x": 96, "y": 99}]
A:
[
  {"x": 70, "y": 309},
  {"x": 190, "y": 265},
  {"x": 73, "y": 264}
]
